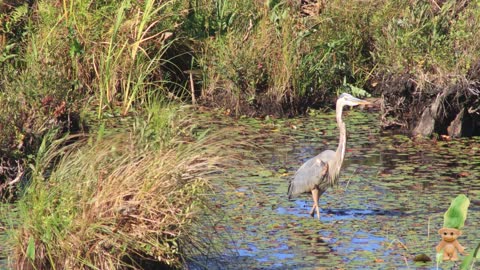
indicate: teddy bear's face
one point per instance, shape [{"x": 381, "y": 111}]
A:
[{"x": 449, "y": 234}]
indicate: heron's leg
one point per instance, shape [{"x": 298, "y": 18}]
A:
[
  {"x": 315, "y": 196},
  {"x": 312, "y": 212}
]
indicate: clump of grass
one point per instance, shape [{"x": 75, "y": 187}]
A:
[
  {"x": 425, "y": 38},
  {"x": 59, "y": 60},
  {"x": 251, "y": 62},
  {"x": 105, "y": 201},
  {"x": 424, "y": 51},
  {"x": 134, "y": 51},
  {"x": 335, "y": 48},
  {"x": 34, "y": 96},
  {"x": 271, "y": 59}
]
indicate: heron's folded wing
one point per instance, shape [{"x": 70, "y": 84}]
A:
[{"x": 309, "y": 175}]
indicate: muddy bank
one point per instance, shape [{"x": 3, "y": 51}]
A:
[
  {"x": 450, "y": 107},
  {"x": 444, "y": 108}
]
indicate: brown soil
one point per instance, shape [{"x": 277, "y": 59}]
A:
[{"x": 451, "y": 108}]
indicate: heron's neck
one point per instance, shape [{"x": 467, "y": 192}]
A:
[{"x": 340, "y": 153}]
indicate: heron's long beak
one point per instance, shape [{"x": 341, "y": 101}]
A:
[{"x": 358, "y": 101}]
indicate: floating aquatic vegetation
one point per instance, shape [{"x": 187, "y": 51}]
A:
[{"x": 386, "y": 215}]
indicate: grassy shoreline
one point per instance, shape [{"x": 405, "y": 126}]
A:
[{"x": 119, "y": 198}]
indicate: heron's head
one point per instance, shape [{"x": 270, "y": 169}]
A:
[{"x": 347, "y": 99}]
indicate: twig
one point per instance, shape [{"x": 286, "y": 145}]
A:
[
  {"x": 435, "y": 4},
  {"x": 400, "y": 242},
  {"x": 348, "y": 182},
  {"x": 16, "y": 179},
  {"x": 406, "y": 261},
  {"x": 192, "y": 87},
  {"x": 250, "y": 26}
]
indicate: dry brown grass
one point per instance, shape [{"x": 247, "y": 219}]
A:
[{"x": 111, "y": 200}]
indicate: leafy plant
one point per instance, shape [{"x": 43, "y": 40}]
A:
[
  {"x": 469, "y": 261},
  {"x": 352, "y": 89}
]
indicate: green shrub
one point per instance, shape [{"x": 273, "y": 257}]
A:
[
  {"x": 432, "y": 42},
  {"x": 275, "y": 58}
]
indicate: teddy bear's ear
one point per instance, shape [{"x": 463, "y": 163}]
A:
[{"x": 459, "y": 232}]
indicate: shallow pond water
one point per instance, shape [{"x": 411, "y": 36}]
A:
[{"x": 387, "y": 208}]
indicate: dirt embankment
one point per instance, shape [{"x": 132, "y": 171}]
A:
[{"x": 451, "y": 107}]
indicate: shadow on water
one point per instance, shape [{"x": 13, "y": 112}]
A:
[
  {"x": 388, "y": 207},
  {"x": 355, "y": 213}
]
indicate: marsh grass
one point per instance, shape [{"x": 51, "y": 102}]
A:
[
  {"x": 112, "y": 50},
  {"x": 61, "y": 59},
  {"x": 112, "y": 200},
  {"x": 123, "y": 69},
  {"x": 240, "y": 62},
  {"x": 270, "y": 59},
  {"x": 253, "y": 56}
]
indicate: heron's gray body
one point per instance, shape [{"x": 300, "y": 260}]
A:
[{"x": 312, "y": 174}]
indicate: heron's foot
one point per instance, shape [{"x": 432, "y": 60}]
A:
[
  {"x": 318, "y": 212},
  {"x": 312, "y": 212}
]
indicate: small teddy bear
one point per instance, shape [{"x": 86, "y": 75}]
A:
[{"x": 450, "y": 244}]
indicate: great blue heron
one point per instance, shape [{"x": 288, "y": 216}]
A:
[{"x": 322, "y": 171}]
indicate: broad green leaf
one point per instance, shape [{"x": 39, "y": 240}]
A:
[
  {"x": 468, "y": 262},
  {"x": 31, "y": 248},
  {"x": 439, "y": 257}
]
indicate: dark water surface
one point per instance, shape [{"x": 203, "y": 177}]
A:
[{"x": 388, "y": 207}]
